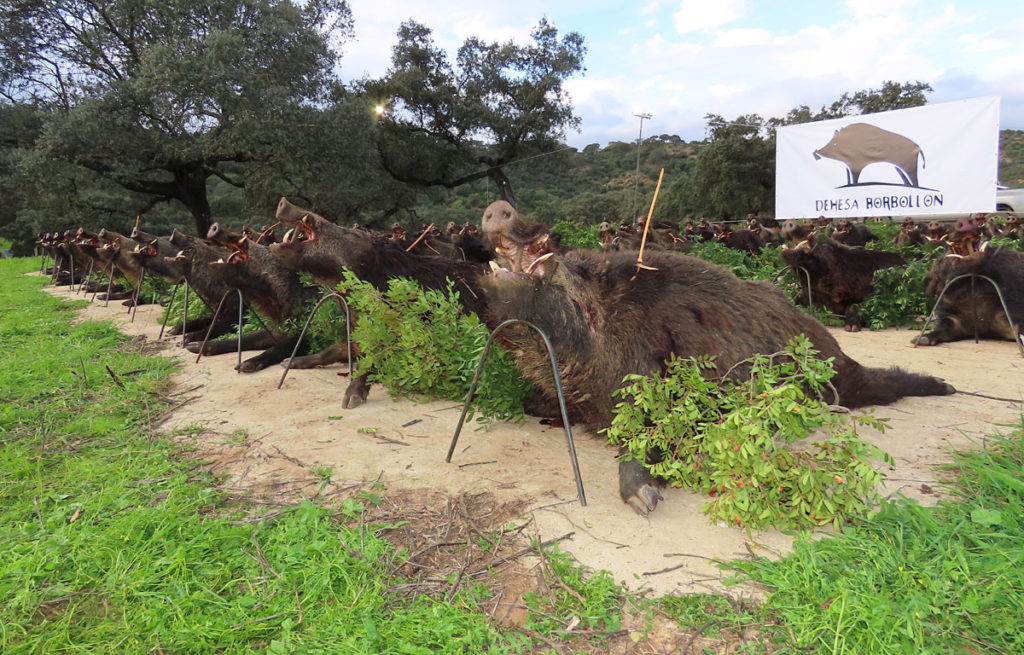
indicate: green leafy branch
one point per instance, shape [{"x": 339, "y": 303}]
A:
[{"x": 745, "y": 441}]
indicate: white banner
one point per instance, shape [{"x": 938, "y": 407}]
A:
[{"x": 935, "y": 159}]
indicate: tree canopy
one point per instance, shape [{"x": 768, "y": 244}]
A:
[
  {"x": 447, "y": 125},
  {"x": 160, "y": 96}
]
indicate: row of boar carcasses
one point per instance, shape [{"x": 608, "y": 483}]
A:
[{"x": 606, "y": 313}]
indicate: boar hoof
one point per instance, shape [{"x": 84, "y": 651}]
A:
[
  {"x": 924, "y": 340},
  {"x": 356, "y": 393},
  {"x": 250, "y": 366},
  {"x": 352, "y": 401},
  {"x": 645, "y": 500},
  {"x": 638, "y": 488}
]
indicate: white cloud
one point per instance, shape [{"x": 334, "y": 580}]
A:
[
  {"x": 868, "y": 8},
  {"x": 682, "y": 59},
  {"x": 981, "y": 43},
  {"x": 702, "y": 15},
  {"x": 738, "y": 38}
]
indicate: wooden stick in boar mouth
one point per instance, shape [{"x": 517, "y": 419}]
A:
[
  {"x": 267, "y": 231},
  {"x": 647, "y": 227},
  {"x": 420, "y": 238}
]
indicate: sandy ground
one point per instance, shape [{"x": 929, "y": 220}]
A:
[{"x": 272, "y": 441}]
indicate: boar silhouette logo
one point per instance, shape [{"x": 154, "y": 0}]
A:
[{"x": 859, "y": 144}]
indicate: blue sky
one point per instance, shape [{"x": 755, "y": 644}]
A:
[{"x": 683, "y": 59}]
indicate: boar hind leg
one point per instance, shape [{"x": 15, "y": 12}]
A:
[
  {"x": 638, "y": 488},
  {"x": 276, "y": 354},
  {"x": 252, "y": 341},
  {"x": 336, "y": 352},
  {"x": 195, "y": 324}
]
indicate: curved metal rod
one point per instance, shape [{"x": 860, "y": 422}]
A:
[
  {"x": 57, "y": 259},
  {"x": 167, "y": 313},
  {"x": 71, "y": 284},
  {"x": 1014, "y": 329},
  {"x": 558, "y": 388},
  {"x": 110, "y": 283},
  {"x": 220, "y": 305},
  {"x": 312, "y": 313},
  {"x": 807, "y": 274},
  {"x": 184, "y": 317},
  {"x": 138, "y": 292},
  {"x": 81, "y": 286},
  {"x": 96, "y": 289}
]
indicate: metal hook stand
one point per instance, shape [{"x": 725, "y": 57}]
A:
[
  {"x": 558, "y": 388},
  {"x": 807, "y": 274},
  {"x": 138, "y": 292},
  {"x": 110, "y": 284},
  {"x": 312, "y": 313},
  {"x": 184, "y": 317},
  {"x": 57, "y": 261},
  {"x": 81, "y": 287},
  {"x": 1015, "y": 329},
  {"x": 167, "y": 312},
  {"x": 216, "y": 314},
  {"x": 71, "y": 273}
]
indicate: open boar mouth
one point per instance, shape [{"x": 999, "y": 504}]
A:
[
  {"x": 531, "y": 258},
  {"x": 303, "y": 230},
  {"x": 147, "y": 250},
  {"x": 237, "y": 256}
]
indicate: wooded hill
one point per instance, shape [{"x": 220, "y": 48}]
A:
[
  {"x": 202, "y": 112},
  {"x": 586, "y": 186}
]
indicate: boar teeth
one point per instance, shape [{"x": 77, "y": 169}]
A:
[
  {"x": 289, "y": 235},
  {"x": 539, "y": 260},
  {"x": 494, "y": 265},
  {"x": 220, "y": 261}
]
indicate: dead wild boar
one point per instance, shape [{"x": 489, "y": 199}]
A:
[
  {"x": 840, "y": 275},
  {"x": 193, "y": 261},
  {"x": 327, "y": 249},
  {"x": 853, "y": 234},
  {"x": 606, "y": 319},
  {"x": 269, "y": 286},
  {"x": 963, "y": 312}
]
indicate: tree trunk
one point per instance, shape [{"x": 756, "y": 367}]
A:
[
  {"x": 504, "y": 185},
  {"x": 191, "y": 183}
]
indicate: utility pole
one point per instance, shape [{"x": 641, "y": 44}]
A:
[{"x": 640, "y": 139}]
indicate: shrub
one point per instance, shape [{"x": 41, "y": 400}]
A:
[
  {"x": 730, "y": 439},
  {"x": 418, "y": 342}
]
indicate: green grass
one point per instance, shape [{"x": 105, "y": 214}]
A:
[
  {"x": 948, "y": 579},
  {"x": 113, "y": 541},
  {"x": 110, "y": 542}
]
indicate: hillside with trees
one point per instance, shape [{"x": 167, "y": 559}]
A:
[{"x": 193, "y": 114}]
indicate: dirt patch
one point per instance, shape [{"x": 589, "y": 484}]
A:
[{"x": 283, "y": 444}]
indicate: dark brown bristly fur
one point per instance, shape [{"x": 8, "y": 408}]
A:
[
  {"x": 968, "y": 306},
  {"x": 606, "y": 319}
]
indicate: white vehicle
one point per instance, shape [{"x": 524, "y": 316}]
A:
[{"x": 1009, "y": 200}]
